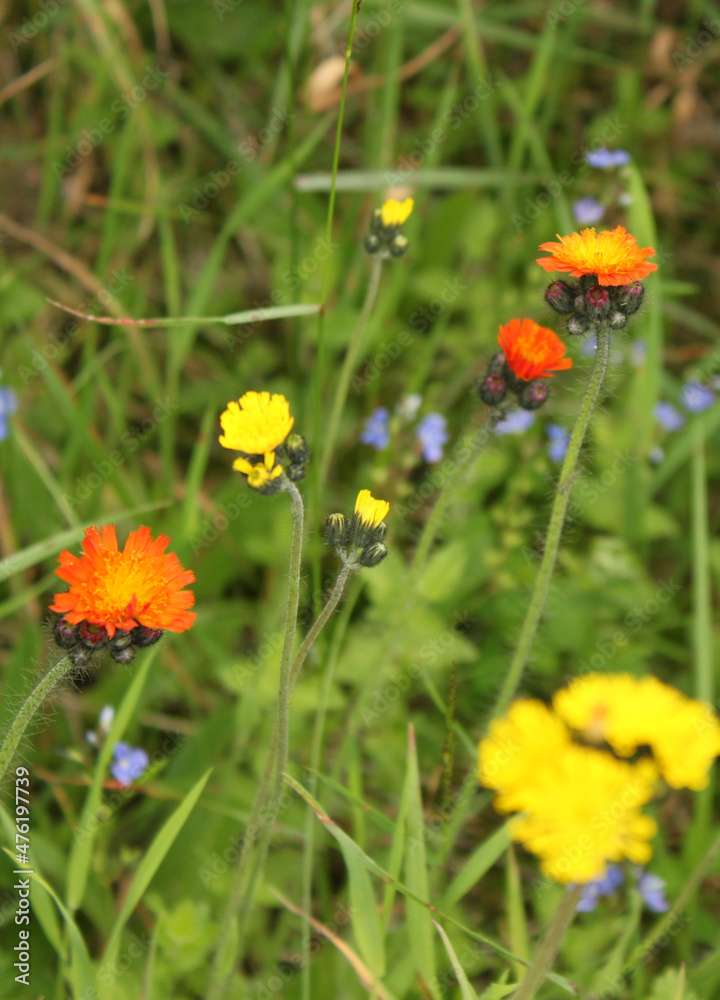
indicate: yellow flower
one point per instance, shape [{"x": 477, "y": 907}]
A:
[
  {"x": 517, "y": 746},
  {"x": 259, "y": 475},
  {"x": 257, "y": 424},
  {"x": 369, "y": 511},
  {"x": 585, "y": 811},
  {"x": 394, "y": 213},
  {"x": 629, "y": 712}
]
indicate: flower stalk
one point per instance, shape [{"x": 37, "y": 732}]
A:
[
  {"x": 557, "y": 520},
  {"x": 550, "y": 945},
  {"x": 62, "y": 669}
]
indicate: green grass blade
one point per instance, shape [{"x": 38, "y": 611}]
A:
[
  {"x": 419, "y": 921},
  {"x": 466, "y": 990},
  {"x": 152, "y": 859},
  {"x": 84, "y": 840},
  {"x": 479, "y": 862}
]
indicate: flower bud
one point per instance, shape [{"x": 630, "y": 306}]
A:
[
  {"x": 630, "y": 297},
  {"x": 577, "y": 325},
  {"x": 335, "y": 529},
  {"x": 493, "y": 389},
  {"x": 65, "y": 633},
  {"x": 398, "y": 245},
  {"x": 372, "y": 243},
  {"x": 372, "y": 554},
  {"x": 92, "y": 636},
  {"x": 121, "y": 639},
  {"x": 533, "y": 394},
  {"x": 142, "y": 636},
  {"x": 80, "y": 655},
  {"x": 598, "y": 300},
  {"x": 296, "y": 448},
  {"x": 125, "y": 655},
  {"x": 559, "y": 295},
  {"x": 617, "y": 320},
  {"x": 497, "y": 364}
]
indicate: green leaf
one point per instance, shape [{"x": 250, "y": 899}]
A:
[
  {"x": 418, "y": 916},
  {"x": 82, "y": 849},
  {"x": 466, "y": 990},
  {"x": 348, "y": 844},
  {"x": 479, "y": 862},
  {"x": 152, "y": 859}
]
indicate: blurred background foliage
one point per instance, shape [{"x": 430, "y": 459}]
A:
[{"x": 173, "y": 159}]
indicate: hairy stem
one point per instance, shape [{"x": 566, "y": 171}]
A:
[
  {"x": 30, "y": 706},
  {"x": 319, "y": 625},
  {"x": 557, "y": 519},
  {"x": 265, "y": 805},
  {"x": 550, "y": 945}
]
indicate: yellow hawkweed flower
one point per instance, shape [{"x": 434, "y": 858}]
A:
[
  {"x": 394, "y": 213},
  {"x": 257, "y": 424},
  {"x": 629, "y": 712},
  {"x": 369, "y": 511},
  {"x": 515, "y": 748},
  {"x": 258, "y": 476},
  {"x": 585, "y": 811}
]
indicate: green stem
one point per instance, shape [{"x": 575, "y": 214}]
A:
[
  {"x": 550, "y": 945},
  {"x": 320, "y": 624},
  {"x": 264, "y": 807},
  {"x": 467, "y": 451},
  {"x": 557, "y": 520},
  {"x": 347, "y": 368},
  {"x": 30, "y": 706}
]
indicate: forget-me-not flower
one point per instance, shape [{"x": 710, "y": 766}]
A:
[
  {"x": 432, "y": 434},
  {"x": 129, "y": 763},
  {"x": 377, "y": 430}
]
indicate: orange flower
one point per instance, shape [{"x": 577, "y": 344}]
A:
[
  {"x": 612, "y": 255},
  {"x": 121, "y": 590},
  {"x": 532, "y": 351}
]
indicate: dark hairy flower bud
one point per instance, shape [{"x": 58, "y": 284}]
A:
[
  {"x": 533, "y": 394},
  {"x": 121, "y": 639},
  {"x": 335, "y": 529},
  {"x": 617, "y": 320},
  {"x": 142, "y": 636},
  {"x": 559, "y": 295},
  {"x": 372, "y": 554},
  {"x": 80, "y": 655},
  {"x": 577, "y": 325},
  {"x": 372, "y": 243},
  {"x": 598, "y": 300},
  {"x": 497, "y": 364},
  {"x": 65, "y": 633},
  {"x": 125, "y": 655},
  {"x": 92, "y": 636},
  {"x": 398, "y": 245},
  {"x": 296, "y": 448},
  {"x": 629, "y": 297},
  {"x": 493, "y": 389}
]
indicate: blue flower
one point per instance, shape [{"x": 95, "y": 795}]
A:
[
  {"x": 377, "y": 431},
  {"x": 8, "y": 406},
  {"x": 588, "y": 346},
  {"x": 432, "y": 434},
  {"x": 408, "y": 406},
  {"x": 669, "y": 418},
  {"x": 559, "y": 441},
  {"x": 128, "y": 764},
  {"x": 638, "y": 352},
  {"x": 515, "y": 422},
  {"x": 606, "y": 159},
  {"x": 606, "y": 885},
  {"x": 652, "y": 889},
  {"x": 697, "y": 397},
  {"x": 588, "y": 211}
]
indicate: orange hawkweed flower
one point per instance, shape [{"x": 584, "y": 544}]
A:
[
  {"x": 612, "y": 255},
  {"x": 532, "y": 351},
  {"x": 140, "y": 586}
]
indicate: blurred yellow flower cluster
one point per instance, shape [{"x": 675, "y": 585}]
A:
[{"x": 580, "y": 805}]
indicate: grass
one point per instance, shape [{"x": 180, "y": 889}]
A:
[{"x": 209, "y": 193}]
